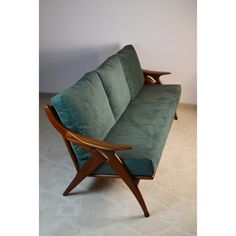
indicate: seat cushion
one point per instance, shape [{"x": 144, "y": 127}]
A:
[
  {"x": 113, "y": 79},
  {"x": 132, "y": 69},
  {"x": 85, "y": 108},
  {"x": 145, "y": 125}
]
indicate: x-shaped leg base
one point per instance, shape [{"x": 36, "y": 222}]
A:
[{"x": 99, "y": 157}]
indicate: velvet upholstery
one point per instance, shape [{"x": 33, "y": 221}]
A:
[
  {"x": 113, "y": 104},
  {"x": 85, "y": 108},
  {"x": 113, "y": 79},
  {"x": 145, "y": 125},
  {"x": 132, "y": 69}
]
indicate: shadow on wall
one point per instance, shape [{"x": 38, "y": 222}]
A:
[{"x": 60, "y": 69}]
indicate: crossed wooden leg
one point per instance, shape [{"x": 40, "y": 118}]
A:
[
  {"x": 111, "y": 159},
  {"x": 132, "y": 183},
  {"x": 90, "y": 165}
]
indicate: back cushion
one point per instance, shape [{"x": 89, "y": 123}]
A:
[
  {"x": 85, "y": 108},
  {"x": 132, "y": 69},
  {"x": 113, "y": 79}
]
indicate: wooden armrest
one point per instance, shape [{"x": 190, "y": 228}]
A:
[
  {"x": 94, "y": 143},
  {"x": 153, "y": 77},
  {"x": 82, "y": 140},
  {"x": 155, "y": 73}
]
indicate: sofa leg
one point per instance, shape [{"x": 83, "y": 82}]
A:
[
  {"x": 176, "y": 117},
  {"x": 115, "y": 163},
  {"x": 91, "y": 164},
  {"x": 136, "y": 181},
  {"x": 72, "y": 185}
]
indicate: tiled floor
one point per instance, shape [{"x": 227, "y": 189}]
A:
[{"x": 107, "y": 207}]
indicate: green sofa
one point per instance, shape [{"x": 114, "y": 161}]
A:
[{"x": 119, "y": 103}]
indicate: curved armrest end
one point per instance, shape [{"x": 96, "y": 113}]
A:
[{"x": 155, "y": 73}]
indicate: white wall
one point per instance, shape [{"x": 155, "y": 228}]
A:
[{"x": 78, "y": 35}]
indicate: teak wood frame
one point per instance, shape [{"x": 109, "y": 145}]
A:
[{"x": 102, "y": 152}]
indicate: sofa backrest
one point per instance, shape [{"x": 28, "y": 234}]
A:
[
  {"x": 132, "y": 69},
  {"x": 93, "y": 105},
  {"x": 114, "y": 82},
  {"x": 85, "y": 108}
]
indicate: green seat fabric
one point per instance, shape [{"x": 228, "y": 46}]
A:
[
  {"x": 132, "y": 69},
  {"x": 85, "y": 108},
  {"x": 113, "y": 79},
  {"x": 145, "y": 125},
  {"x": 113, "y": 104}
]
